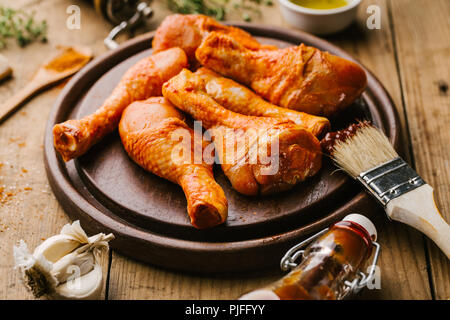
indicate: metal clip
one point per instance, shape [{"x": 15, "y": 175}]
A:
[
  {"x": 358, "y": 283},
  {"x": 289, "y": 262},
  {"x": 143, "y": 10}
]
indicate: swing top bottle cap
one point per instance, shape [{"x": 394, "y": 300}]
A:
[{"x": 363, "y": 222}]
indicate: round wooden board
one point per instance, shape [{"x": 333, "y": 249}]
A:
[{"x": 108, "y": 192}]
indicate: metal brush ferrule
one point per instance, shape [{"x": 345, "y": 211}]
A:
[{"x": 390, "y": 180}]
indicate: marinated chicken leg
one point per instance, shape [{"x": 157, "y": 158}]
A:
[
  {"x": 240, "y": 99},
  {"x": 294, "y": 152},
  {"x": 188, "y": 31},
  {"x": 150, "y": 132},
  {"x": 145, "y": 79},
  {"x": 301, "y": 78}
]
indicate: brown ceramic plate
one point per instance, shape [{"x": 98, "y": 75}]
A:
[{"x": 108, "y": 192}]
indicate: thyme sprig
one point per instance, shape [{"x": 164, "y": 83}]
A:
[
  {"x": 217, "y": 8},
  {"x": 213, "y": 8},
  {"x": 21, "y": 26}
]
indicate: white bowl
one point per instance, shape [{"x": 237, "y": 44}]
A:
[{"x": 319, "y": 21}]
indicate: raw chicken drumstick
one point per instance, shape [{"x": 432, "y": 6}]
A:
[
  {"x": 188, "y": 31},
  {"x": 301, "y": 78},
  {"x": 297, "y": 156},
  {"x": 149, "y": 131},
  {"x": 238, "y": 98},
  {"x": 143, "y": 80}
]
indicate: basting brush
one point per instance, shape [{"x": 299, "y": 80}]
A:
[{"x": 365, "y": 153}]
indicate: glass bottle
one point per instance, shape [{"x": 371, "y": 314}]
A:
[
  {"x": 116, "y": 11},
  {"x": 328, "y": 262}
]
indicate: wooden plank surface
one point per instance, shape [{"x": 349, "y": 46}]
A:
[
  {"x": 422, "y": 35},
  {"x": 28, "y": 209},
  {"x": 33, "y": 214}
]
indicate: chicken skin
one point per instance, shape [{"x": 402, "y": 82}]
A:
[
  {"x": 188, "y": 31},
  {"x": 301, "y": 78},
  {"x": 240, "y": 99},
  {"x": 242, "y": 143},
  {"x": 145, "y": 79},
  {"x": 150, "y": 132}
]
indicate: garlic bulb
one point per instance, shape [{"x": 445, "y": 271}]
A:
[{"x": 65, "y": 266}]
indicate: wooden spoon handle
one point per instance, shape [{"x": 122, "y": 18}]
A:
[
  {"x": 13, "y": 103},
  {"x": 418, "y": 209}
]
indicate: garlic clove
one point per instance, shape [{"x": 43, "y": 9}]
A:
[
  {"x": 71, "y": 237},
  {"x": 55, "y": 247},
  {"x": 86, "y": 287},
  {"x": 83, "y": 263}
]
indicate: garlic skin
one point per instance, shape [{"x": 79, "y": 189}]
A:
[
  {"x": 35, "y": 272},
  {"x": 65, "y": 266}
]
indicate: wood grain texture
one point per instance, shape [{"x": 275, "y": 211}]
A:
[
  {"x": 134, "y": 280},
  {"x": 28, "y": 209},
  {"x": 422, "y": 35}
]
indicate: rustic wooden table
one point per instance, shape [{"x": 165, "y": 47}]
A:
[{"x": 410, "y": 54}]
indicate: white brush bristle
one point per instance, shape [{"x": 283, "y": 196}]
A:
[{"x": 366, "y": 149}]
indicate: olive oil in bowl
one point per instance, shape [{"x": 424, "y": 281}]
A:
[
  {"x": 321, "y": 4},
  {"x": 319, "y": 17}
]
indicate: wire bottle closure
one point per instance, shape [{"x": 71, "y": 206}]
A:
[{"x": 294, "y": 255}]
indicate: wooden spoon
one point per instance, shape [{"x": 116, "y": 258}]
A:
[
  {"x": 46, "y": 76},
  {"x": 5, "y": 68}
]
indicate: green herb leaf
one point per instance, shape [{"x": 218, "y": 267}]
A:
[
  {"x": 246, "y": 17},
  {"x": 217, "y": 8},
  {"x": 21, "y": 26}
]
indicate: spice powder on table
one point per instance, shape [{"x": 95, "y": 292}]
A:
[{"x": 67, "y": 60}]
